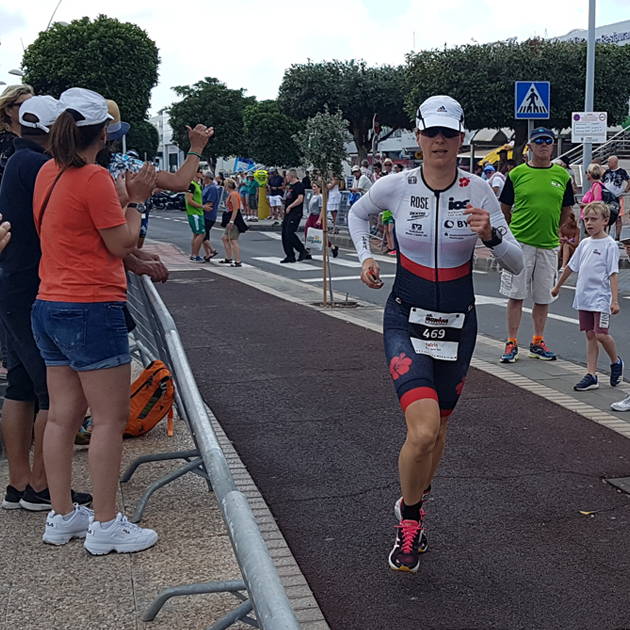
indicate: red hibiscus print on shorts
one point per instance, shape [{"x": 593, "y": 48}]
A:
[
  {"x": 399, "y": 365},
  {"x": 460, "y": 387},
  {"x": 464, "y": 181}
]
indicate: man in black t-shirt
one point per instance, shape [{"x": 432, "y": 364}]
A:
[
  {"x": 275, "y": 190},
  {"x": 294, "y": 203}
]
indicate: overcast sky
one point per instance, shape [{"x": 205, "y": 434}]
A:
[{"x": 248, "y": 44}]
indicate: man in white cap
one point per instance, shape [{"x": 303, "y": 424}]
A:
[
  {"x": 19, "y": 283},
  {"x": 361, "y": 182}
]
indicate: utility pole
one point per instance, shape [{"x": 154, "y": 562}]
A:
[{"x": 590, "y": 88}]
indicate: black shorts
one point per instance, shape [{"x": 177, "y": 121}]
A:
[
  {"x": 25, "y": 366},
  {"x": 419, "y": 376},
  {"x": 209, "y": 225}
]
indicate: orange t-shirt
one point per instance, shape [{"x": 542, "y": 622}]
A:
[{"x": 76, "y": 266}]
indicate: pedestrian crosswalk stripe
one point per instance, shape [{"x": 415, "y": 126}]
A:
[
  {"x": 275, "y": 235},
  {"x": 342, "y": 278},
  {"x": 339, "y": 261},
  {"x": 532, "y": 102},
  {"x": 296, "y": 266}
]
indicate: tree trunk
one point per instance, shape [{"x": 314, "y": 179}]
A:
[
  {"x": 362, "y": 143},
  {"x": 520, "y": 140}
]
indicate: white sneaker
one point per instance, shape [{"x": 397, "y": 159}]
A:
[
  {"x": 121, "y": 536},
  {"x": 59, "y": 531},
  {"x": 622, "y": 405}
]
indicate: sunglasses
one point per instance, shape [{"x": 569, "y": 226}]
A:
[
  {"x": 543, "y": 141},
  {"x": 447, "y": 132}
]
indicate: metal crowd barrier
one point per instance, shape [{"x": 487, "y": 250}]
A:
[{"x": 156, "y": 337}]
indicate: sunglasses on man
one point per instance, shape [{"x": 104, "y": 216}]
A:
[
  {"x": 447, "y": 132},
  {"x": 543, "y": 141}
]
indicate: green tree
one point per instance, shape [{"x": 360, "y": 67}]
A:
[
  {"x": 211, "y": 103},
  {"x": 322, "y": 143},
  {"x": 482, "y": 79},
  {"x": 352, "y": 87},
  {"x": 116, "y": 59},
  {"x": 269, "y": 135},
  {"x": 144, "y": 138}
]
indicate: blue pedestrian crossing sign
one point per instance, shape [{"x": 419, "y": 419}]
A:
[{"x": 531, "y": 100}]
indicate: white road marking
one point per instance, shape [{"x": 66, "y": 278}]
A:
[
  {"x": 296, "y": 266},
  {"x": 377, "y": 257},
  {"x": 482, "y": 300},
  {"x": 342, "y": 278},
  {"x": 340, "y": 261},
  {"x": 275, "y": 235}
]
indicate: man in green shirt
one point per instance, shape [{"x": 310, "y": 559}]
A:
[
  {"x": 541, "y": 196},
  {"x": 252, "y": 193},
  {"x": 194, "y": 210}
]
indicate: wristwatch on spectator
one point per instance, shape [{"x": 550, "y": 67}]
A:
[{"x": 140, "y": 207}]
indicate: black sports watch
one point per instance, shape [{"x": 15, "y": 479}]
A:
[
  {"x": 140, "y": 207},
  {"x": 497, "y": 239}
]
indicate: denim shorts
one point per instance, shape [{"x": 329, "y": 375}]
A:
[{"x": 84, "y": 336}]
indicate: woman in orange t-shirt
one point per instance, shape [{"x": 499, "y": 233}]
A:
[
  {"x": 86, "y": 230},
  {"x": 232, "y": 226}
]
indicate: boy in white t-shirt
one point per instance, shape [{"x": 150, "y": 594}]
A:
[{"x": 596, "y": 261}]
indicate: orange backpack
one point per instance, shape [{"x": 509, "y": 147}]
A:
[{"x": 152, "y": 395}]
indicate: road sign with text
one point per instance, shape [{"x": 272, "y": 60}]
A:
[
  {"x": 589, "y": 127},
  {"x": 531, "y": 100}
]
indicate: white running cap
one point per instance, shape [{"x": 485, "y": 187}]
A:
[
  {"x": 44, "y": 108},
  {"x": 440, "y": 111},
  {"x": 87, "y": 107}
]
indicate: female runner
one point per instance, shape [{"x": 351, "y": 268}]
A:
[{"x": 430, "y": 325}]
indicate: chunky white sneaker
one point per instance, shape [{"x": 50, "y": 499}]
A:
[
  {"x": 60, "y": 530},
  {"x": 121, "y": 536},
  {"x": 622, "y": 405}
]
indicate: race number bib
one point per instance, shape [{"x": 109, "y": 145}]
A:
[{"x": 436, "y": 334}]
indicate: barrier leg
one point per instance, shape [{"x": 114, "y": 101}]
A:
[
  {"x": 238, "y": 614},
  {"x": 157, "y": 457},
  {"x": 190, "y": 589},
  {"x": 156, "y": 485}
]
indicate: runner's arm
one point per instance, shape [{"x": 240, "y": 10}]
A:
[
  {"x": 384, "y": 194},
  {"x": 508, "y": 253}
]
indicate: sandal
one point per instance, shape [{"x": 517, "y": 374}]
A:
[
  {"x": 225, "y": 261},
  {"x": 236, "y": 264}
]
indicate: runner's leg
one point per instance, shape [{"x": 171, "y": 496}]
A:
[{"x": 514, "y": 316}]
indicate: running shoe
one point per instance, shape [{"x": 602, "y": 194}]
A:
[
  {"x": 198, "y": 259},
  {"x": 540, "y": 351},
  {"x": 423, "y": 541},
  {"x": 616, "y": 372},
  {"x": 511, "y": 353},
  {"x": 60, "y": 529},
  {"x": 12, "y": 499},
  {"x": 40, "y": 501},
  {"x": 405, "y": 556},
  {"x": 120, "y": 536},
  {"x": 622, "y": 405},
  {"x": 588, "y": 382},
  {"x": 275, "y": 223},
  {"x": 335, "y": 251}
]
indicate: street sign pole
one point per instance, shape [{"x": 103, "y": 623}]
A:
[
  {"x": 590, "y": 89},
  {"x": 530, "y": 128}
]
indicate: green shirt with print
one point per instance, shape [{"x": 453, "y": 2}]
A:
[
  {"x": 538, "y": 196},
  {"x": 196, "y": 190},
  {"x": 252, "y": 186}
]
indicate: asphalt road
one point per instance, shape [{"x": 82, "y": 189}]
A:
[
  {"x": 308, "y": 402},
  {"x": 264, "y": 250}
]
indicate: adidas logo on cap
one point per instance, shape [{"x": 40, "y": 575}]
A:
[{"x": 441, "y": 108}]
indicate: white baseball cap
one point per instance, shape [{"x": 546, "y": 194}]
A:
[
  {"x": 44, "y": 108},
  {"x": 440, "y": 111},
  {"x": 90, "y": 106}
]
